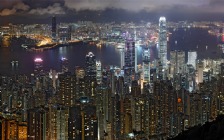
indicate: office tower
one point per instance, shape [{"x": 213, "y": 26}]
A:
[
  {"x": 90, "y": 74},
  {"x": 67, "y": 83},
  {"x": 90, "y": 67},
  {"x": 54, "y": 29},
  {"x": 199, "y": 72},
  {"x": 64, "y": 33},
  {"x": 146, "y": 64},
  {"x": 192, "y": 57},
  {"x": 38, "y": 67},
  {"x": 173, "y": 64},
  {"x": 177, "y": 62},
  {"x": 163, "y": 42},
  {"x": 129, "y": 61},
  {"x": 64, "y": 64},
  {"x": 136, "y": 51},
  {"x": 122, "y": 54},
  {"x": 98, "y": 72},
  {"x": 180, "y": 62}
]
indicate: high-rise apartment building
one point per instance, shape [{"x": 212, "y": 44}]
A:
[{"x": 67, "y": 83}]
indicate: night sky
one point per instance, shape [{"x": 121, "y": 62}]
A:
[{"x": 39, "y": 11}]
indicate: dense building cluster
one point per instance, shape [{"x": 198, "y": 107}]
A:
[{"x": 158, "y": 100}]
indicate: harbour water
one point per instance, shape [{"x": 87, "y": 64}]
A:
[{"x": 190, "y": 39}]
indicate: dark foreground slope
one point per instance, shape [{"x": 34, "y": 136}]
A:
[{"x": 209, "y": 131}]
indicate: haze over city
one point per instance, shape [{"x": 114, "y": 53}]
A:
[{"x": 39, "y": 11}]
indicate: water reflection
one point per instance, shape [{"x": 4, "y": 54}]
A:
[{"x": 6, "y": 41}]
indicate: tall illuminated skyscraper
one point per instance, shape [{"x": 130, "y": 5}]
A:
[
  {"x": 180, "y": 61},
  {"x": 146, "y": 64},
  {"x": 90, "y": 74},
  {"x": 177, "y": 62},
  {"x": 129, "y": 60},
  {"x": 192, "y": 57},
  {"x": 67, "y": 83},
  {"x": 98, "y": 72},
  {"x": 163, "y": 42},
  {"x": 54, "y": 28},
  {"x": 38, "y": 66},
  {"x": 90, "y": 66}
]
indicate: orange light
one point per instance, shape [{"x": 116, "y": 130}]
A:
[{"x": 179, "y": 100}]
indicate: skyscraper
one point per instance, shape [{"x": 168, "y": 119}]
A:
[
  {"x": 90, "y": 74},
  {"x": 180, "y": 61},
  {"x": 129, "y": 60},
  {"x": 54, "y": 28},
  {"x": 146, "y": 64},
  {"x": 64, "y": 64},
  {"x": 177, "y": 62},
  {"x": 163, "y": 42},
  {"x": 192, "y": 57},
  {"x": 38, "y": 66},
  {"x": 90, "y": 66},
  {"x": 67, "y": 83},
  {"x": 98, "y": 72}
]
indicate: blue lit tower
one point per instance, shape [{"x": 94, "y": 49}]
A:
[
  {"x": 162, "y": 52},
  {"x": 129, "y": 60},
  {"x": 146, "y": 64},
  {"x": 54, "y": 28}
]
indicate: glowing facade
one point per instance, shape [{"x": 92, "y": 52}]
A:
[
  {"x": 146, "y": 65},
  {"x": 98, "y": 72},
  {"x": 180, "y": 61},
  {"x": 192, "y": 57},
  {"x": 38, "y": 66},
  {"x": 163, "y": 42}
]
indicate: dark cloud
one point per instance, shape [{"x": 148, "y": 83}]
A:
[
  {"x": 55, "y": 9},
  {"x": 43, "y": 7},
  {"x": 19, "y": 6}
]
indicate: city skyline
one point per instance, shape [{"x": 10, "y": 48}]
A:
[{"x": 91, "y": 80}]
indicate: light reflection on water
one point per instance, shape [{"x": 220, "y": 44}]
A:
[{"x": 108, "y": 55}]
